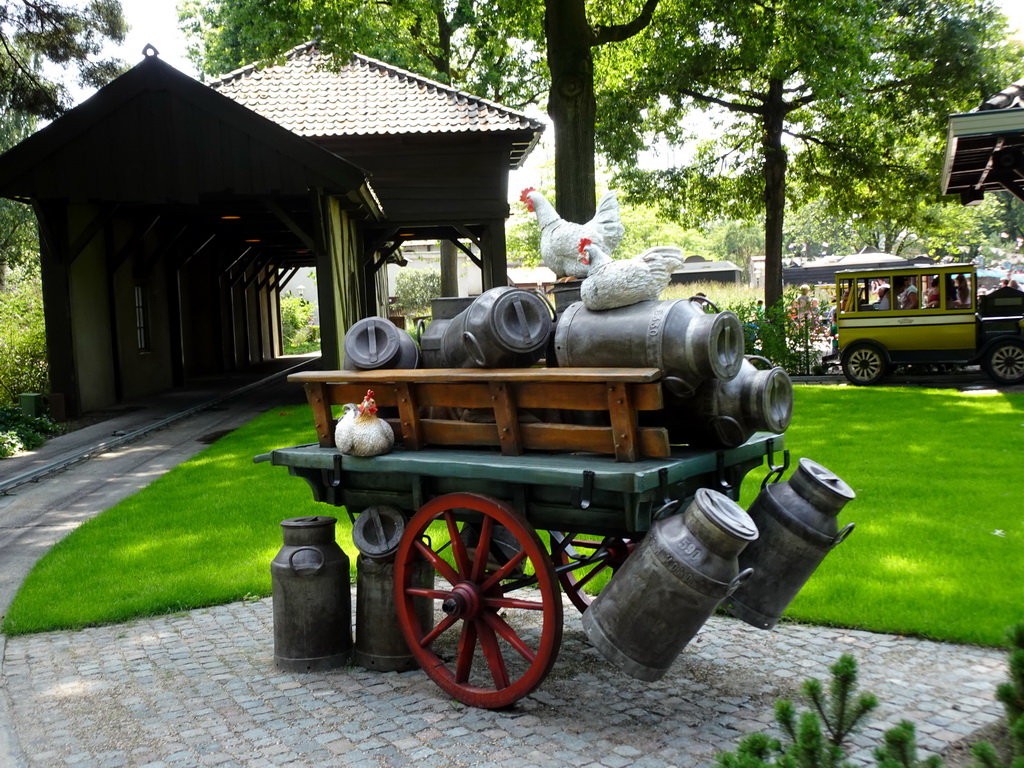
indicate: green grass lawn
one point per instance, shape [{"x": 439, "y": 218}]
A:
[{"x": 937, "y": 550}]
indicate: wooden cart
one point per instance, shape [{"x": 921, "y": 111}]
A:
[{"x": 484, "y": 459}]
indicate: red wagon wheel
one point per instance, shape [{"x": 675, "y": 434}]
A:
[
  {"x": 518, "y": 635},
  {"x": 582, "y": 558}
]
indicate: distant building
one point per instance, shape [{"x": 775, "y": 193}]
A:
[{"x": 697, "y": 269}]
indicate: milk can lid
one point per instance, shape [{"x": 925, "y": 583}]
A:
[
  {"x": 377, "y": 531},
  {"x": 726, "y": 514},
  {"x": 820, "y": 486},
  {"x": 522, "y": 320},
  {"x": 371, "y": 343}
]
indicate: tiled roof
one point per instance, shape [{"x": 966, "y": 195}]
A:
[
  {"x": 364, "y": 97},
  {"x": 1012, "y": 96}
]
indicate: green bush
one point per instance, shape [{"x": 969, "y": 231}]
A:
[
  {"x": 23, "y": 365},
  {"x": 19, "y": 432},
  {"x": 414, "y": 288},
  {"x": 297, "y": 330},
  {"x": 794, "y": 341}
]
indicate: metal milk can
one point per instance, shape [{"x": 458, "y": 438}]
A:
[
  {"x": 376, "y": 342},
  {"x": 442, "y": 311},
  {"x": 379, "y": 644},
  {"x": 798, "y": 525},
  {"x": 503, "y": 327},
  {"x": 725, "y": 414},
  {"x": 312, "y": 602},
  {"x": 670, "y": 585},
  {"x": 688, "y": 344}
]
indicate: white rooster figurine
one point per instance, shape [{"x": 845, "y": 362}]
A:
[
  {"x": 612, "y": 283},
  {"x": 559, "y": 238},
  {"x": 360, "y": 432}
]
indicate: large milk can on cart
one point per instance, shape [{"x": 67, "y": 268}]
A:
[{"x": 507, "y": 512}]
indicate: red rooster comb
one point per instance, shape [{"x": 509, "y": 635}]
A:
[
  {"x": 369, "y": 393},
  {"x": 584, "y": 242},
  {"x": 525, "y": 193}
]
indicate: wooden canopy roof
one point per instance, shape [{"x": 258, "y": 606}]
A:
[
  {"x": 155, "y": 135},
  {"x": 985, "y": 148}
]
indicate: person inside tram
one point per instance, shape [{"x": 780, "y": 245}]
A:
[
  {"x": 908, "y": 298},
  {"x": 883, "y": 297},
  {"x": 932, "y": 297}
]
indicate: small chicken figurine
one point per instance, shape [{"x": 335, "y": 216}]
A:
[
  {"x": 559, "y": 238},
  {"x": 360, "y": 432},
  {"x": 612, "y": 283}
]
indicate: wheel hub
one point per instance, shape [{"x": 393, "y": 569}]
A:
[{"x": 463, "y": 602}]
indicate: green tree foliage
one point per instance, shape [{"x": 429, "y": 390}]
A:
[
  {"x": 414, "y": 288},
  {"x": 68, "y": 35},
  {"x": 19, "y": 245},
  {"x": 467, "y": 44},
  {"x": 297, "y": 327},
  {"x": 847, "y": 96},
  {"x": 22, "y": 336}
]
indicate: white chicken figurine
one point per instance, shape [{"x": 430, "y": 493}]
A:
[
  {"x": 612, "y": 283},
  {"x": 360, "y": 432},
  {"x": 559, "y": 238}
]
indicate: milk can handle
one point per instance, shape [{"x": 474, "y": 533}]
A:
[
  {"x": 840, "y": 537},
  {"x": 740, "y": 579},
  {"x": 705, "y": 302},
  {"x": 473, "y": 347},
  {"x": 319, "y": 566}
]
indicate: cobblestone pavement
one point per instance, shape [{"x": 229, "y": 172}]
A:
[{"x": 201, "y": 689}]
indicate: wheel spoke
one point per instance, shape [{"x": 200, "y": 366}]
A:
[
  {"x": 433, "y": 594},
  {"x": 511, "y": 602},
  {"x": 442, "y": 626},
  {"x": 503, "y": 572},
  {"x": 439, "y": 565},
  {"x": 492, "y": 652},
  {"x": 499, "y": 625},
  {"x": 483, "y": 549},
  {"x": 467, "y": 649},
  {"x": 458, "y": 545}
]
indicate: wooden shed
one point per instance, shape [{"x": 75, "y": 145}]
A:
[
  {"x": 171, "y": 213},
  {"x": 438, "y": 158}
]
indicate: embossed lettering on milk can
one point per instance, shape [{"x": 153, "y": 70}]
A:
[
  {"x": 670, "y": 585},
  {"x": 380, "y": 645},
  {"x": 798, "y": 525},
  {"x": 312, "y": 603},
  {"x": 688, "y": 344}
]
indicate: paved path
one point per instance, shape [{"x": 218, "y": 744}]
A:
[{"x": 200, "y": 688}]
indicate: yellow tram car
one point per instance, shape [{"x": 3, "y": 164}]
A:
[{"x": 926, "y": 314}]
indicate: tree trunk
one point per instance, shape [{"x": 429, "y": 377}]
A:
[
  {"x": 775, "y": 161},
  {"x": 572, "y": 107}
]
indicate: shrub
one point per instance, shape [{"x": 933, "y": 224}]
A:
[
  {"x": 23, "y": 365},
  {"x": 19, "y": 432},
  {"x": 414, "y": 288},
  {"x": 297, "y": 330},
  {"x": 817, "y": 738}
]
